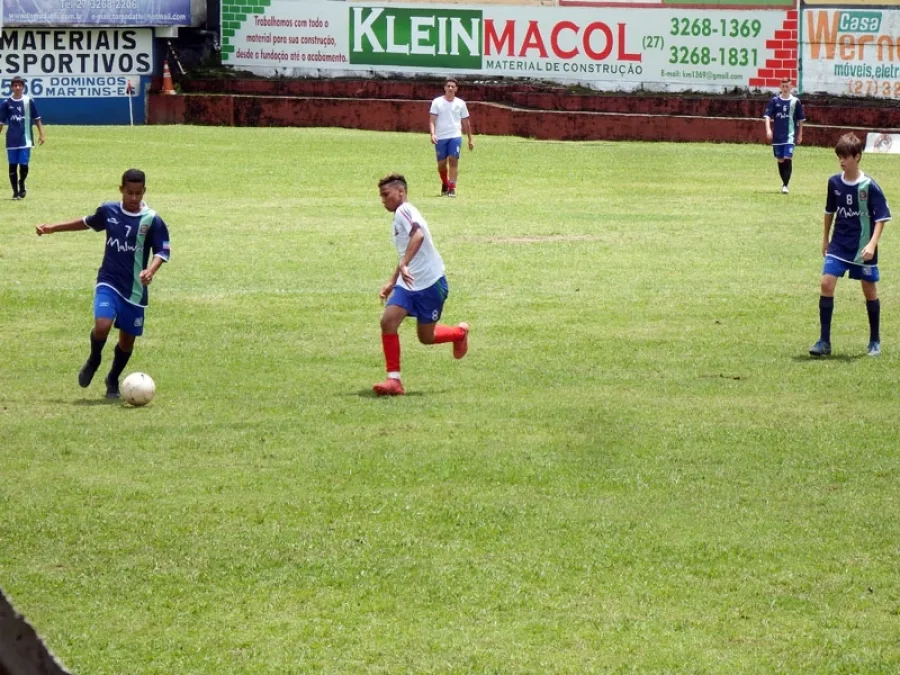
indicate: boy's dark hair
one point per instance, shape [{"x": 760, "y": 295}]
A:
[
  {"x": 393, "y": 178},
  {"x": 17, "y": 80},
  {"x": 134, "y": 176},
  {"x": 785, "y": 79},
  {"x": 451, "y": 79},
  {"x": 848, "y": 145}
]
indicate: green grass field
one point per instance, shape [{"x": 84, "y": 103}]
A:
[{"x": 636, "y": 469}]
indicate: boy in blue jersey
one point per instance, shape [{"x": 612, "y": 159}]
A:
[
  {"x": 787, "y": 111},
  {"x": 132, "y": 230},
  {"x": 859, "y": 210},
  {"x": 19, "y": 112}
]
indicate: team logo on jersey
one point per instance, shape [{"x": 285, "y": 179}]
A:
[
  {"x": 863, "y": 194},
  {"x": 120, "y": 246},
  {"x": 112, "y": 220},
  {"x": 144, "y": 229}
]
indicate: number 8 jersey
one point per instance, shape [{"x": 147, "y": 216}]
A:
[{"x": 857, "y": 207}]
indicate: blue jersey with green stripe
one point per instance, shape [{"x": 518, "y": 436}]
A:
[
  {"x": 857, "y": 207},
  {"x": 786, "y": 114},
  {"x": 19, "y": 116},
  {"x": 130, "y": 239}
]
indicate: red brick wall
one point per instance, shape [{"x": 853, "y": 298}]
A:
[{"x": 516, "y": 109}]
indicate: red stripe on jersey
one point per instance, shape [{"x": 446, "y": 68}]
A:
[{"x": 412, "y": 224}]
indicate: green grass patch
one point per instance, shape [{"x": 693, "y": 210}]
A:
[{"x": 637, "y": 468}]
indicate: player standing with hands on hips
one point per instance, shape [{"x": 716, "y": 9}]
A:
[
  {"x": 787, "y": 113},
  {"x": 416, "y": 288},
  {"x": 858, "y": 209},
  {"x": 133, "y": 231},
  {"x": 449, "y": 118}
]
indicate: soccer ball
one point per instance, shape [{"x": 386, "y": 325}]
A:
[{"x": 138, "y": 389}]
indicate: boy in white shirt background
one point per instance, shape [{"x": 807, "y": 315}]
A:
[{"x": 449, "y": 119}]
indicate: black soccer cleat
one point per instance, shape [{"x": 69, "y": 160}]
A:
[
  {"x": 86, "y": 374},
  {"x": 112, "y": 388},
  {"x": 821, "y": 348}
]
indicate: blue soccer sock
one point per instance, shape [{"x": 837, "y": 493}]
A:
[
  {"x": 826, "y": 309},
  {"x": 873, "y": 309}
]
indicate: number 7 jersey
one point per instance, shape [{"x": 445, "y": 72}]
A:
[{"x": 130, "y": 238}]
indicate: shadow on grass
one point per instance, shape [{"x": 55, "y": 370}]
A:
[
  {"x": 96, "y": 401},
  {"x": 368, "y": 393},
  {"x": 844, "y": 358}
]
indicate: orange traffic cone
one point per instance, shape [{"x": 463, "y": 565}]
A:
[{"x": 167, "y": 86}]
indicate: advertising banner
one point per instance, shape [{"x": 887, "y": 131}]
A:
[
  {"x": 611, "y": 48},
  {"x": 853, "y": 3},
  {"x": 71, "y": 53},
  {"x": 689, "y": 4},
  {"x": 61, "y": 13},
  {"x": 888, "y": 144},
  {"x": 851, "y": 51},
  {"x": 80, "y": 76}
]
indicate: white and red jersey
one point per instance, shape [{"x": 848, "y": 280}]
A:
[
  {"x": 426, "y": 267},
  {"x": 450, "y": 115}
]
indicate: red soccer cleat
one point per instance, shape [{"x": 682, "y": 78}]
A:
[
  {"x": 460, "y": 347},
  {"x": 390, "y": 387}
]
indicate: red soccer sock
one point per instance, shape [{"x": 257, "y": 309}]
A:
[
  {"x": 452, "y": 185},
  {"x": 444, "y": 334},
  {"x": 391, "y": 346},
  {"x": 443, "y": 174}
]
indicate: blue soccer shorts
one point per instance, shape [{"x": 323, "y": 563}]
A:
[
  {"x": 425, "y": 305},
  {"x": 836, "y": 268},
  {"x": 784, "y": 151},
  {"x": 110, "y": 305},
  {"x": 448, "y": 147},
  {"x": 18, "y": 155}
]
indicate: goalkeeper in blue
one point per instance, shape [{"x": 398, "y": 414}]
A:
[
  {"x": 137, "y": 244},
  {"x": 857, "y": 208}
]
